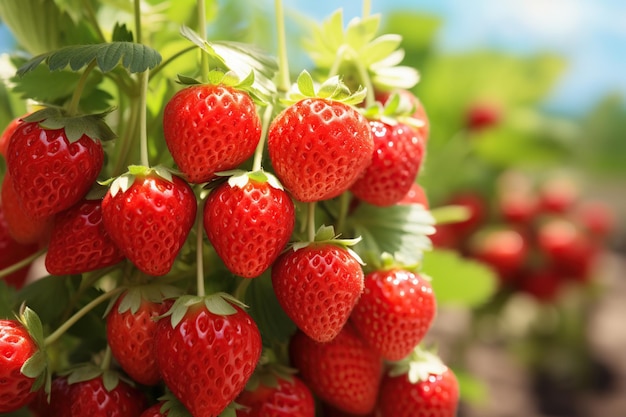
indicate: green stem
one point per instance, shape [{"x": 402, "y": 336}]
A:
[
  {"x": 124, "y": 144},
  {"x": 137, "y": 13},
  {"x": 367, "y": 8},
  {"x": 284, "y": 82},
  {"x": 143, "y": 126},
  {"x": 344, "y": 206},
  {"x": 88, "y": 281},
  {"x": 54, "y": 336},
  {"x": 258, "y": 153},
  {"x": 240, "y": 291},
  {"x": 199, "y": 250},
  {"x": 21, "y": 264},
  {"x": 72, "y": 108},
  {"x": 370, "y": 98},
  {"x": 311, "y": 221},
  {"x": 171, "y": 59},
  {"x": 204, "y": 57}
]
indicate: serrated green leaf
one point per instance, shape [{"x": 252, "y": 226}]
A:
[
  {"x": 122, "y": 184},
  {"x": 35, "y": 365},
  {"x": 133, "y": 56},
  {"x": 359, "y": 32},
  {"x": 459, "y": 281},
  {"x": 121, "y": 33}
]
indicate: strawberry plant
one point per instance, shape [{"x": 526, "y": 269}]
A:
[{"x": 175, "y": 211}]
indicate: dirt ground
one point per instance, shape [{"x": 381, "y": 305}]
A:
[{"x": 512, "y": 388}]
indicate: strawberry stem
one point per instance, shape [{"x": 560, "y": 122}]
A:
[
  {"x": 284, "y": 83},
  {"x": 258, "y": 153},
  {"x": 137, "y": 13},
  {"x": 364, "y": 75},
  {"x": 54, "y": 336},
  {"x": 204, "y": 58},
  {"x": 21, "y": 264},
  {"x": 72, "y": 108},
  {"x": 240, "y": 291},
  {"x": 143, "y": 123},
  {"x": 199, "y": 251},
  {"x": 311, "y": 221},
  {"x": 344, "y": 205}
]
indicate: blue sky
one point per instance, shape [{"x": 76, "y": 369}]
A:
[{"x": 591, "y": 34}]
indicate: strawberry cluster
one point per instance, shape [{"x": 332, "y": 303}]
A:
[
  {"x": 358, "y": 314},
  {"x": 539, "y": 235}
]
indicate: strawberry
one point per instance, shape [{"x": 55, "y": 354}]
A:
[
  {"x": 148, "y": 213},
  {"x": 318, "y": 285},
  {"x": 8, "y": 131},
  {"x": 154, "y": 411},
  {"x": 319, "y": 147},
  {"x": 397, "y": 158},
  {"x": 207, "y": 349},
  {"x": 597, "y": 217},
  {"x": 59, "y": 405},
  {"x": 12, "y": 252},
  {"x": 415, "y": 195},
  {"x": 421, "y": 386},
  {"x": 281, "y": 396},
  {"x": 408, "y": 100},
  {"x": 210, "y": 128},
  {"x": 344, "y": 372},
  {"x": 477, "y": 212},
  {"x": 131, "y": 329},
  {"x": 558, "y": 194},
  {"x": 23, "y": 228},
  {"x": 249, "y": 220},
  {"x": 79, "y": 243},
  {"x": 482, "y": 115},
  {"x": 51, "y": 173},
  {"x": 105, "y": 395},
  {"x": 22, "y": 362},
  {"x": 544, "y": 283},
  {"x": 504, "y": 249},
  {"x": 395, "y": 311}
]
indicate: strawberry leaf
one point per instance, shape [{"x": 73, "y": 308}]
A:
[
  {"x": 82, "y": 372},
  {"x": 134, "y": 57},
  {"x": 121, "y": 33},
  {"x": 91, "y": 125},
  {"x": 35, "y": 365},
  {"x": 110, "y": 379}
]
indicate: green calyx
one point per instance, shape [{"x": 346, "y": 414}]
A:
[
  {"x": 240, "y": 178},
  {"x": 36, "y": 366},
  {"x": 220, "y": 303},
  {"x": 418, "y": 365},
  {"x": 131, "y": 299},
  {"x": 332, "y": 89},
  {"x": 397, "y": 109},
  {"x": 126, "y": 180},
  {"x": 87, "y": 371},
  {"x": 269, "y": 372},
  {"x": 326, "y": 235},
  {"x": 92, "y": 125},
  {"x": 172, "y": 407}
]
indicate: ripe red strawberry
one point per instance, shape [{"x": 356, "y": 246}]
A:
[
  {"x": 17, "y": 346},
  {"x": 131, "y": 329},
  {"x": 154, "y": 411},
  {"x": 318, "y": 286},
  {"x": 207, "y": 348},
  {"x": 60, "y": 404},
  {"x": 210, "y": 128},
  {"x": 23, "y": 228},
  {"x": 476, "y": 205},
  {"x": 558, "y": 194},
  {"x": 283, "y": 397},
  {"x": 8, "y": 131},
  {"x": 544, "y": 284},
  {"x": 397, "y": 158},
  {"x": 504, "y": 249},
  {"x": 344, "y": 372},
  {"x": 49, "y": 172},
  {"x": 249, "y": 220},
  {"x": 395, "y": 311},
  {"x": 597, "y": 217},
  {"x": 422, "y": 387},
  {"x": 482, "y": 115},
  {"x": 93, "y": 398},
  {"x": 148, "y": 213},
  {"x": 79, "y": 243},
  {"x": 12, "y": 252},
  {"x": 415, "y": 195},
  {"x": 319, "y": 147}
]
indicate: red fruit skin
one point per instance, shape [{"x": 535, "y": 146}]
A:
[
  {"x": 60, "y": 404},
  {"x": 397, "y": 158},
  {"x": 207, "y": 359},
  {"x": 131, "y": 338},
  {"x": 150, "y": 221},
  {"x": 543, "y": 284},
  {"x": 154, "y": 411},
  {"x": 16, "y": 347},
  {"x": 5, "y": 137},
  {"x": 249, "y": 226},
  {"x": 476, "y": 205},
  {"x": 597, "y": 217},
  {"x": 318, "y": 148},
  {"x": 210, "y": 128},
  {"x": 483, "y": 115},
  {"x": 438, "y": 396},
  {"x": 395, "y": 311},
  {"x": 518, "y": 208},
  {"x": 415, "y": 195},
  {"x": 345, "y": 372},
  {"x": 49, "y": 173},
  {"x": 505, "y": 250},
  {"x": 289, "y": 399},
  {"x": 23, "y": 228},
  {"x": 79, "y": 242},
  {"x": 90, "y": 398},
  {"x": 558, "y": 195},
  {"x": 12, "y": 252},
  {"x": 318, "y": 286}
]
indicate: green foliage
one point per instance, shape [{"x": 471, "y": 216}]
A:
[{"x": 459, "y": 281}]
